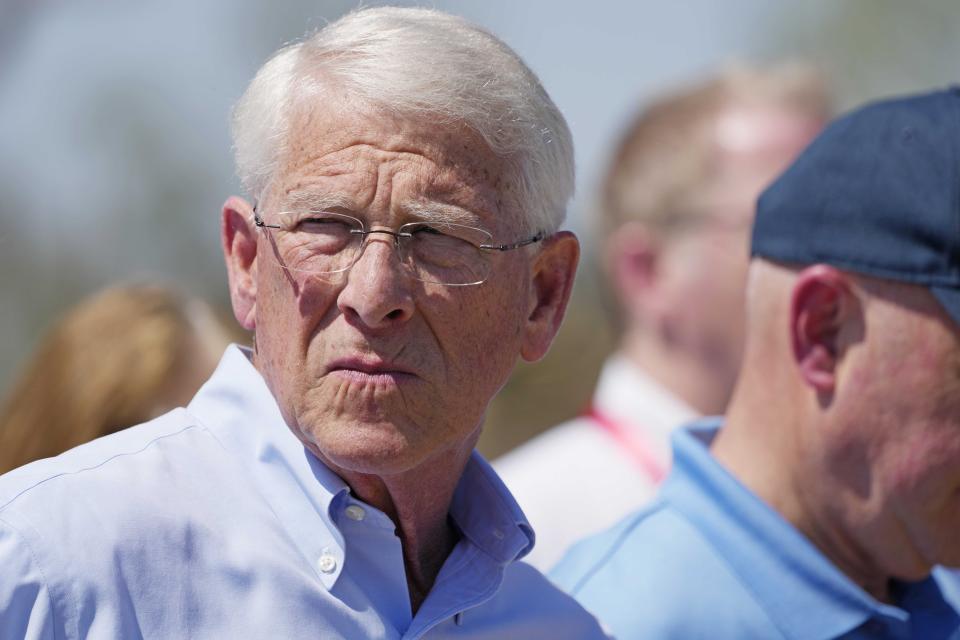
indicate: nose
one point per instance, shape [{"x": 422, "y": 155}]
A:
[{"x": 377, "y": 293}]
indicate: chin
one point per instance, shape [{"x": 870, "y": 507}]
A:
[{"x": 369, "y": 448}]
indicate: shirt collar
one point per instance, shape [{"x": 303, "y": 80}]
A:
[
  {"x": 487, "y": 514},
  {"x": 768, "y": 554},
  {"x": 238, "y": 407}
]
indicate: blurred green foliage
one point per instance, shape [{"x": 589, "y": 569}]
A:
[{"x": 159, "y": 219}]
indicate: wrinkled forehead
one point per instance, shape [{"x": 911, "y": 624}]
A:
[{"x": 443, "y": 162}]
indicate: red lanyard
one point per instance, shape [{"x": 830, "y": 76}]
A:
[{"x": 631, "y": 441}]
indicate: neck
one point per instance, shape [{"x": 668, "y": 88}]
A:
[
  {"x": 762, "y": 445},
  {"x": 755, "y": 445},
  {"x": 686, "y": 375},
  {"x": 418, "y": 501},
  {"x": 850, "y": 558}
]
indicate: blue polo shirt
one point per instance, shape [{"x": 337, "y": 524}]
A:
[
  {"x": 708, "y": 559},
  {"x": 215, "y": 521}
]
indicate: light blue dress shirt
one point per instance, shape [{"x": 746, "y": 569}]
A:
[
  {"x": 708, "y": 559},
  {"x": 215, "y": 522}
]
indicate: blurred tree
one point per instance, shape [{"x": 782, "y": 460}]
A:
[
  {"x": 867, "y": 49},
  {"x": 155, "y": 166},
  {"x": 145, "y": 202},
  {"x": 871, "y": 48}
]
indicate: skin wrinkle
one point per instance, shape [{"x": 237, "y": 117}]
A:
[
  {"x": 400, "y": 440},
  {"x": 385, "y": 353},
  {"x": 317, "y": 200},
  {"x": 437, "y": 188}
]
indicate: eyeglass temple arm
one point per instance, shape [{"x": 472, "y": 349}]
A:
[
  {"x": 516, "y": 245},
  {"x": 257, "y": 220}
]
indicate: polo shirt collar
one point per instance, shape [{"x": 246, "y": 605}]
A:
[{"x": 770, "y": 556}]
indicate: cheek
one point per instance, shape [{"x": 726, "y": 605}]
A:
[
  {"x": 290, "y": 312},
  {"x": 484, "y": 339},
  {"x": 916, "y": 446},
  {"x": 293, "y": 304},
  {"x": 926, "y": 465}
]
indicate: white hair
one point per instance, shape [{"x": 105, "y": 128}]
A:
[{"x": 420, "y": 63}]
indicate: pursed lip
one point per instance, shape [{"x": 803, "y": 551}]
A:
[{"x": 372, "y": 367}]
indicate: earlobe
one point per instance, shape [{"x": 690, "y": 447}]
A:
[
  {"x": 819, "y": 307},
  {"x": 554, "y": 270},
  {"x": 238, "y": 236}
]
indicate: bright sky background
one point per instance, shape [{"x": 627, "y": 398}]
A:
[{"x": 186, "y": 62}]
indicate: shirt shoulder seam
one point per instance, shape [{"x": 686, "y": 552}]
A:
[
  {"x": 54, "y": 476},
  {"x": 638, "y": 518},
  {"x": 733, "y": 573}
]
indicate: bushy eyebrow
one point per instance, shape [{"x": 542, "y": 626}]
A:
[
  {"x": 436, "y": 212},
  {"x": 441, "y": 212},
  {"x": 317, "y": 201}
]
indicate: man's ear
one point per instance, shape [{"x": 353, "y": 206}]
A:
[
  {"x": 238, "y": 236},
  {"x": 554, "y": 270},
  {"x": 631, "y": 261},
  {"x": 821, "y": 303}
]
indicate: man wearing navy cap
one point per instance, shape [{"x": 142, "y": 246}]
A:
[{"x": 822, "y": 505}]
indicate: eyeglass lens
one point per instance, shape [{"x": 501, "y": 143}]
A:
[{"x": 329, "y": 243}]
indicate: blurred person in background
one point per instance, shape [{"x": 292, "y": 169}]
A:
[
  {"x": 399, "y": 252},
  {"x": 675, "y": 212},
  {"x": 821, "y": 504},
  {"x": 118, "y": 358}
]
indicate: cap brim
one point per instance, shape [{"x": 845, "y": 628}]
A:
[{"x": 950, "y": 299}]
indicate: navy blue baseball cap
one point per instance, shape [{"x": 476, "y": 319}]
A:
[{"x": 877, "y": 193}]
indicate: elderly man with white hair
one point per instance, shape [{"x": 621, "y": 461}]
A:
[{"x": 399, "y": 251}]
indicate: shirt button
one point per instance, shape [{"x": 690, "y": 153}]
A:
[
  {"x": 355, "y": 512},
  {"x": 327, "y": 563}
]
